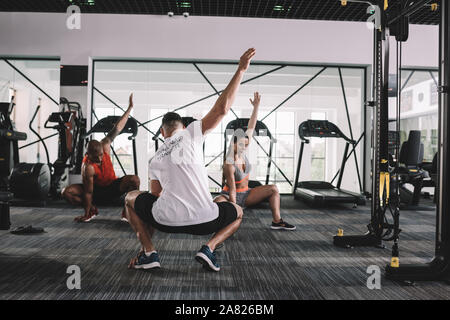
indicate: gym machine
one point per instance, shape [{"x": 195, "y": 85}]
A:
[
  {"x": 51, "y": 178},
  {"x": 320, "y": 193},
  {"x": 396, "y": 20},
  {"x": 410, "y": 171},
  {"x": 380, "y": 228},
  {"x": 9, "y": 156},
  {"x": 439, "y": 267}
]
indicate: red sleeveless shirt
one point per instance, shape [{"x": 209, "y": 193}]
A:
[{"x": 104, "y": 173}]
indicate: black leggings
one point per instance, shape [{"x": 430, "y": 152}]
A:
[
  {"x": 143, "y": 207},
  {"x": 106, "y": 194}
]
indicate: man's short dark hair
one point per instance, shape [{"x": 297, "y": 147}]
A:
[
  {"x": 94, "y": 147},
  {"x": 170, "y": 119}
]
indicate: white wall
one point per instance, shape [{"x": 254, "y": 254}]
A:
[
  {"x": 211, "y": 38},
  {"x": 150, "y": 36}
]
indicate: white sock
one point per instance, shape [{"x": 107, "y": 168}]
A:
[{"x": 149, "y": 253}]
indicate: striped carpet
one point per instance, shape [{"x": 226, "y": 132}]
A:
[{"x": 256, "y": 263}]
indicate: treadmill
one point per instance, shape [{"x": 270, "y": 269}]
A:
[{"x": 321, "y": 193}]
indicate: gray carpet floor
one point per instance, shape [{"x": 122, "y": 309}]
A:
[{"x": 257, "y": 263}]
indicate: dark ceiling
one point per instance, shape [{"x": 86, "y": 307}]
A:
[{"x": 283, "y": 9}]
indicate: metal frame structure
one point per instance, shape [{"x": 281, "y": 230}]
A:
[
  {"x": 379, "y": 228},
  {"x": 216, "y": 92},
  {"x": 439, "y": 267},
  {"x": 325, "y": 10}
]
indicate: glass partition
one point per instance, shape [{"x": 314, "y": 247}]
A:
[
  {"x": 34, "y": 81},
  {"x": 290, "y": 94},
  {"x": 419, "y": 108}
]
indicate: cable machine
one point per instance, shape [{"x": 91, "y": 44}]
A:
[
  {"x": 379, "y": 228},
  {"x": 439, "y": 267},
  {"x": 395, "y": 22}
]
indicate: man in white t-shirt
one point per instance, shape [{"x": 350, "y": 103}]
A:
[{"x": 180, "y": 201}]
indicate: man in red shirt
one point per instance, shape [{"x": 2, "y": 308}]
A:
[{"x": 100, "y": 184}]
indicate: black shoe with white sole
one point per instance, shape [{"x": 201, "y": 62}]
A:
[
  {"x": 207, "y": 259},
  {"x": 147, "y": 262},
  {"x": 282, "y": 225}
]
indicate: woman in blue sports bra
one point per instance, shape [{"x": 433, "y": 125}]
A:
[{"x": 236, "y": 170}]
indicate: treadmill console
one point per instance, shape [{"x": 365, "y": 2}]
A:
[
  {"x": 242, "y": 123},
  {"x": 60, "y": 117},
  {"x": 105, "y": 125},
  {"x": 320, "y": 129}
]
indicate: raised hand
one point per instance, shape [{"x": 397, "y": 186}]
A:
[
  {"x": 256, "y": 100},
  {"x": 130, "y": 103},
  {"x": 244, "y": 61}
]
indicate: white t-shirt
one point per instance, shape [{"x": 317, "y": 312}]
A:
[{"x": 179, "y": 167}]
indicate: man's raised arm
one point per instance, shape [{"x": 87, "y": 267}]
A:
[
  {"x": 118, "y": 127},
  {"x": 254, "y": 118},
  {"x": 226, "y": 99}
]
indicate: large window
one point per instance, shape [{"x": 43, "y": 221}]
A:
[
  {"x": 419, "y": 108},
  {"x": 289, "y": 94},
  {"x": 35, "y": 82},
  {"x": 318, "y": 152}
]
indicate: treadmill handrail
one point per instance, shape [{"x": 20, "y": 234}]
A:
[
  {"x": 60, "y": 122},
  {"x": 106, "y": 124},
  {"x": 242, "y": 123},
  {"x": 305, "y": 132}
]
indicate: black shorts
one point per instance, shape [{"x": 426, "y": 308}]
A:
[
  {"x": 106, "y": 194},
  {"x": 143, "y": 207}
]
